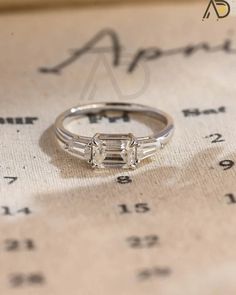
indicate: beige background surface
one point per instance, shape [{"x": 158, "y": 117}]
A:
[
  {"x": 19, "y": 5},
  {"x": 79, "y": 234}
]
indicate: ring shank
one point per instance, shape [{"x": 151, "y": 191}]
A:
[{"x": 76, "y": 144}]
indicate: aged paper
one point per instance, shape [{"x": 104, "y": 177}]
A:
[{"x": 169, "y": 229}]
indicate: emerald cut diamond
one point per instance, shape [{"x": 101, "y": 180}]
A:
[{"x": 112, "y": 150}]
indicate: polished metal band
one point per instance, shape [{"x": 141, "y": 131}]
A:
[{"x": 89, "y": 148}]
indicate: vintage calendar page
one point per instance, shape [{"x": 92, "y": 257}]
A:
[{"x": 168, "y": 227}]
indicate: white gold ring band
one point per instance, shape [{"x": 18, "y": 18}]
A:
[{"x": 113, "y": 150}]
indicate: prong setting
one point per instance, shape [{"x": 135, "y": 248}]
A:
[{"x": 113, "y": 150}]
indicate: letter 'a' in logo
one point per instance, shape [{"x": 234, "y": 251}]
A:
[{"x": 220, "y": 7}]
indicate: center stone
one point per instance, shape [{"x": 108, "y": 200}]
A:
[{"x": 113, "y": 150}]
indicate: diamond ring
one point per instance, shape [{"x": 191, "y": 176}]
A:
[{"x": 113, "y": 150}]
